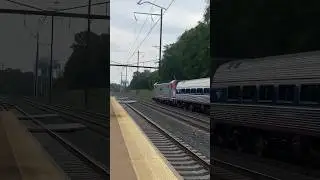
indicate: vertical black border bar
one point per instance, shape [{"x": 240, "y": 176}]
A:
[
  {"x": 107, "y": 76},
  {"x": 215, "y": 23},
  {"x": 212, "y": 33}
]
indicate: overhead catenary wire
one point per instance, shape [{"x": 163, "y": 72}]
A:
[
  {"x": 149, "y": 32},
  {"x": 42, "y": 20},
  {"x": 25, "y": 5},
  {"x": 138, "y": 35}
]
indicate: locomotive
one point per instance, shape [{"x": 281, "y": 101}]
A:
[
  {"x": 269, "y": 106},
  {"x": 189, "y": 94}
]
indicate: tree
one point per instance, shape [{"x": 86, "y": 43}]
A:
[
  {"x": 81, "y": 72},
  {"x": 189, "y": 57},
  {"x": 115, "y": 87},
  {"x": 248, "y": 29},
  {"x": 144, "y": 80}
]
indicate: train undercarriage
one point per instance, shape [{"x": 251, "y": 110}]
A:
[
  {"x": 284, "y": 146},
  {"x": 188, "y": 106}
]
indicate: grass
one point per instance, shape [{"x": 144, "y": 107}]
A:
[{"x": 143, "y": 94}]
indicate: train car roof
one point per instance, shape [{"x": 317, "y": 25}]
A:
[
  {"x": 194, "y": 83},
  {"x": 293, "y": 67},
  {"x": 165, "y": 83}
]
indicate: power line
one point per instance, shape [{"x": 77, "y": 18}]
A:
[
  {"x": 64, "y": 9},
  {"x": 150, "y": 31},
  {"x": 144, "y": 62},
  {"x": 58, "y": 10},
  {"x": 144, "y": 23},
  {"x": 53, "y": 13},
  {"x": 25, "y": 5},
  {"x": 134, "y": 66},
  {"x": 115, "y": 62},
  {"x": 83, "y": 6}
]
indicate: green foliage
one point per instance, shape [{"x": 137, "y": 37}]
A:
[
  {"x": 188, "y": 58},
  {"x": 144, "y": 80},
  {"x": 251, "y": 28},
  {"x": 83, "y": 72},
  {"x": 115, "y": 87}
]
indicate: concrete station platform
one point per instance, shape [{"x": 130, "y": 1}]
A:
[
  {"x": 21, "y": 156},
  {"x": 132, "y": 154}
]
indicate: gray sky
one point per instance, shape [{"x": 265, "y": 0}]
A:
[
  {"x": 124, "y": 29},
  {"x": 18, "y": 47}
]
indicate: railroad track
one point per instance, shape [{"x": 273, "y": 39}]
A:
[
  {"x": 197, "y": 120},
  {"x": 190, "y": 163},
  {"x": 98, "y": 116},
  {"x": 178, "y": 110},
  {"x": 76, "y": 163},
  {"x": 99, "y": 125},
  {"x": 187, "y": 161},
  {"x": 4, "y": 106},
  {"x": 184, "y": 117}
]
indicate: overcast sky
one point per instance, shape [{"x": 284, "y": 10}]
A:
[
  {"x": 18, "y": 47},
  {"x": 125, "y": 28}
]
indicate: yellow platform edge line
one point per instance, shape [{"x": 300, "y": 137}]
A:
[
  {"x": 147, "y": 161},
  {"x": 34, "y": 163}
]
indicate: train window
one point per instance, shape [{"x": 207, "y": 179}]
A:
[
  {"x": 193, "y": 91},
  {"x": 266, "y": 92},
  {"x": 178, "y": 91},
  {"x": 310, "y": 93},
  {"x": 249, "y": 92},
  {"x": 286, "y": 92},
  {"x": 206, "y": 90},
  {"x": 187, "y": 91},
  {"x": 233, "y": 92},
  {"x": 183, "y": 91},
  {"x": 199, "y": 91},
  {"x": 219, "y": 95}
]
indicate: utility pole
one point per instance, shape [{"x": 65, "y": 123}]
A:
[
  {"x": 37, "y": 66},
  {"x": 160, "y": 48},
  {"x": 88, "y": 56},
  {"x": 51, "y": 61},
  {"x": 138, "y": 61},
  {"x": 121, "y": 82},
  {"x": 126, "y": 77},
  {"x": 161, "y": 17}
]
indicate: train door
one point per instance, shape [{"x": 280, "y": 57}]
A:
[{"x": 173, "y": 89}]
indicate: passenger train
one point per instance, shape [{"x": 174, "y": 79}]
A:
[
  {"x": 269, "y": 106},
  {"x": 190, "y": 94}
]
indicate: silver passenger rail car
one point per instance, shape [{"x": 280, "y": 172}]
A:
[
  {"x": 194, "y": 94},
  {"x": 266, "y": 105}
]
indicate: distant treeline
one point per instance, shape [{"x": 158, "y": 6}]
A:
[
  {"x": 82, "y": 70},
  {"x": 13, "y": 81}
]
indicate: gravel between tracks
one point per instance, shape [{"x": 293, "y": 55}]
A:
[
  {"x": 177, "y": 109},
  {"x": 92, "y": 143},
  {"x": 197, "y": 139},
  {"x": 71, "y": 164},
  {"x": 185, "y": 164}
]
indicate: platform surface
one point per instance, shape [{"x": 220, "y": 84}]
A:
[
  {"x": 21, "y": 156},
  {"x": 133, "y": 156}
]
